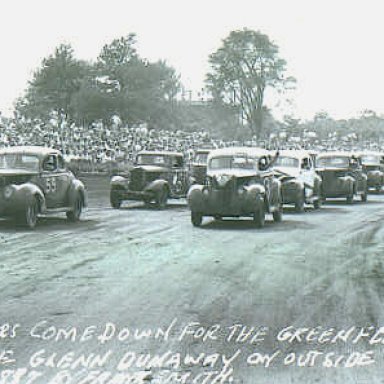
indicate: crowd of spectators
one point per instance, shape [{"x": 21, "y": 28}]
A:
[
  {"x": 101, "y": 148},
  {"x": 98, "y": 146}
]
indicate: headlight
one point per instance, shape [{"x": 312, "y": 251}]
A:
[{"x": 8, "y": 191}]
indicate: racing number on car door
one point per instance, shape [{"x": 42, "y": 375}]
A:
[{"x": 50, "y": 185}]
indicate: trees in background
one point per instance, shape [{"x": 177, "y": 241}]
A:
[
  {"x": 53, "y": 86},
  {"x": 119, "y": 83},
  {"x": 242, "y": 70}
]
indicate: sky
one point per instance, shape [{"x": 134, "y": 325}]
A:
[{"x": 334, "y": 48}]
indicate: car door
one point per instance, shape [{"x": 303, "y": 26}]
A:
[
  {"x": 62, "y": 181},
  {"x": 55, "y": 181}
]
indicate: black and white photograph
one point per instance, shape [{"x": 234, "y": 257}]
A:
[{"x": 191, "y": 192}]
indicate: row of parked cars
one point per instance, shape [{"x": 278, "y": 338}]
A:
[{"x": 227, "y": 182}]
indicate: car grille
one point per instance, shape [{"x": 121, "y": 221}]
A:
[
  {"x": 199, "y": 173},
  {"x": 139, "y": 178},
  {"x": 226, "y": 193}
]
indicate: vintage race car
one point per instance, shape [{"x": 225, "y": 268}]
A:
[
  {"x": 300, "y": 182},
  {"x": 199, "y": 166},
  {"x": 34, "y": 181},
  {"x": 342, "y": 176},
  {"x": 240, "y": 182},
  {"x": 373, "y": 167},
  {"x": 155, "y": 177}
]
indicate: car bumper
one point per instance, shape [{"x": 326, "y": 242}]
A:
[{"x": 224, "y": 203}]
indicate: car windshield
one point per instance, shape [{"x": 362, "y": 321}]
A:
[
  {"x": 201, "y": 158},
  {"x": 19, "y": 161},
  {"x": 286, "y": 161},
  {"x": 232, "y": 162},
  {"x": 146, "y": 159},
  {"x": 333, "y": 161},
  {"x": 371, "y": 159}
]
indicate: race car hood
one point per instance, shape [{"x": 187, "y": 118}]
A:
[
  {"x": 151, "y": 168},
  {"x": 232, "y": 172},
  {"x": 287, "y": 171},
  {"x": 332, "y": 169},
  {"x": 17, "y": 172}
]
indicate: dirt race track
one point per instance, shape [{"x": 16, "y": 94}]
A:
[{"x": 117, "y": 273}]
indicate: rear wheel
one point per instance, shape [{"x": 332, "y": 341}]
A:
[
  {"x": 77, "y": 208},
  {"x": 349, "y": 199},
  {"x": 196, "y": 219},
  {"x": 114, "y": 198},
  {"x": 29, "y": 216}
]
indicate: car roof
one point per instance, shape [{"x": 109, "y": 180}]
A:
[
  {"x": 161, "y": 153},
  {"x": 335, "y": 153},
  {"x": 30, "y": 150},
  {"x": 230, "y": 151},
  {"x": 203, "y": 150},
  {"x": 296, "y": 153},
  {"x": 368, "y": 153}
]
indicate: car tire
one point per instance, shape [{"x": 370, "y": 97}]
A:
[
  {"x": 161, "y": 198},
  {"x": 364, "y": 196},
  {"x": 349, "y": 199},
  {"x": 147, "y": 201},
  {"x": 114, "y": 198},
  {"x": 77, "y": 209},
  {"x": 317, "y": 203},
  {"x": 30, "y": 215},
  {"x": 299, "y": 204},
  {"x": 196, "y": 219},
  {"x": 259, "y": 217},
  {"x": 278, "y": 214}
]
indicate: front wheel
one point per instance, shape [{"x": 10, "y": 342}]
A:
[
  {"x": 114, "y": 199},
  {"x": 196, "y": 219},
  {"x": 29, "y": 216},
  {"x": 349, "y": 199},
  {"x": 364, "y": 196},
  {"x": 161, "y": 198},
  {"x": 259, "y": 217},
  {"x": 77, "y": 208},
  {"x": 299, "y": 204},
  {"x": 317, "y": 203},
  {"x": 278, "y": 214}
]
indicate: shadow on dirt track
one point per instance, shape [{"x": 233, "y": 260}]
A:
[
  {"x": 47, "y": 224},
  {"x": 248, "y": 225}
]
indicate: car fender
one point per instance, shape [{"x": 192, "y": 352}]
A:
[
  {"x": 23, "y": 194},
  {"x": 195, "y": 197},
  {"x": 348, "y": 179},
  {"x": 118, "y": 180},
  {"x": 156, "y": 186},
  {"x": 254, "y": 192},
  {"x": 75, "y": 188}
]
